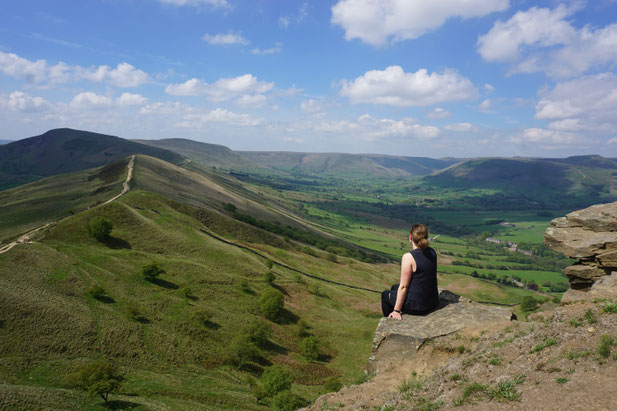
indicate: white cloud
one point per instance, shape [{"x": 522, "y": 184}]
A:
[
  {"x": 130, "y": 99},
  {"x": 251, "y": 100},
  {"x": 612, "y": 141},
  {"x": 369, "y": 128},
  {"x": 39, "y": 71},
  {"x": 586, "y": 104},
  {"x": 124, "y": 75},
  {"x": 225, "y": 39},
  {"x": 378, "y": 21},
  {"x": 489, "y": 88},
  {"x": 459, "y": 127},
  {"x": 220, "y": 115},
  {"x": 196, "y": 3},
  {"x": 20, "y": 101},
  {"x": 542, "y": 40},
  {"x": 89, "y": 99},
  {"x": 545, "y": 137},
  {"x": 438, "y": 113},
  {"x": 222, "y": 89},
  {"x": 486, "y": 105},
  {"x": 285, "y": 21},
  {"x": 311, "y": 106},
  {"x": 278, "y": 47},
  {"x": 394, "y": 87}
]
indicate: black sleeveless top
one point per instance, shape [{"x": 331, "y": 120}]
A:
[{"x": 423, "y": 295}]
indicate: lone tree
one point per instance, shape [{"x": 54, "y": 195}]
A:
[
  {"x": 96, "y": 378},
  {"x": 151, "y": 271},
  {"x": 309, "y": 348},
  {"x": 528, "y": 303},
  {"x": 271, "y": 303},
  {"x": 242, "y": 349},
  {"x": 100, "y": 228},
  {"x": 275, "y": 379}
]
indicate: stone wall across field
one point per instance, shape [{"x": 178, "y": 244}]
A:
[{"x": 590, "y": 237}]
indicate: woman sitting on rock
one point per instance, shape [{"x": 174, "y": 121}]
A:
[{"x": 417, "y": 292}]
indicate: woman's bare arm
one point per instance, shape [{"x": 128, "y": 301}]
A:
[{"x": 408, "y": 265}]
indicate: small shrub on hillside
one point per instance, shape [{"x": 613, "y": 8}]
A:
[
  {"x": 258, "y": 331},
  {"x": 96, "y": 292},
  {"x": 576, "y": 322},
  {"x": 302, "y": 328},
  {"x": 151, "y": 271},
  {"x": 271, "y": 303},
  {"x": 269, "y": 264},
  {"x": 456, "y": 377},
  {"x": 590, "y": 317},
  {"x": 556, "y": 299},
  {"x": 309, "y": 348},
  {"x": 96, "y": 378},
  {"x": 242, "y": 350},
  {"x": 412, "y": 384},
  {"x": 561, "y": 380},
  {"x": 506, "y": 391},
  {"x": 604, "y": 349},
  {"x": 204, "y": 318},
  {"x": 135, "y": 312},
  {"x": 100, "y": 228},
  {"x": 286, "y": 401},
  {"x": 529, "y": 303},
  {"x": 547, "y": 343},
  {"x": 275, "y": 379},
  {"x": 472, "y": 389},
  {"x": 187, "y": 292},
  {"x": 332, "y": 384},
  {"x": 245, "y": 286},
  {"x": 230, "y": 207},
  {"x": 610, "y": 308},
  {"x": 269, "y": 277}
]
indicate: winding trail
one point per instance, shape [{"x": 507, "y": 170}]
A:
[{"x": 27, "y": 238}]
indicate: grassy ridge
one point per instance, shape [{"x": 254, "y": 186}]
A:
[
  {"x": 168, "y": 357},
  {"x": 31, "y": 205}
]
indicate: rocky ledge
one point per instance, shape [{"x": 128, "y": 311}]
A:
[
  {"x": 396, "y": 340},
  {"x": 590, "y": 237}
]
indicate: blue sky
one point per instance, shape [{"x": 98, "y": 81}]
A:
[{"x": 439, "y": 78}]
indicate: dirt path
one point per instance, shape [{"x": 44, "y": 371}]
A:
[
  {"x": 26, "y": 238},
  {"x": 125, "y": 185}
]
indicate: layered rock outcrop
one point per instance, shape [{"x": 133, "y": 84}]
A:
[
  {"x": 590, "y": 237},
  {"x": 395, "y": 340}
]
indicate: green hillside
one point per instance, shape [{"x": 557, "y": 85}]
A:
[
  {"x": 212, "y": 155},
  {"x": 175, "y": 339},
  {"x": 550, "y": 182},
  {"x": 346, "y": 165},
  {"x": 65, "y": 150},
  {"x": 49, "y": 199}
]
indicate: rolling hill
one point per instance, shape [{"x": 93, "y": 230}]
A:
[
  {"x": 212, "y": 155},
  {"x": 5, "y": 142},
  {"x": 591, "y": 178},
  {"x": 347, "y": 165},
  {"x": 65, "y": 150}
]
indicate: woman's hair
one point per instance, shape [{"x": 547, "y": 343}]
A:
[{"x": 419, "y": 235}]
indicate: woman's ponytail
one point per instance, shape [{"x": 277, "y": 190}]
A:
[{"x": 419, "y": 235}]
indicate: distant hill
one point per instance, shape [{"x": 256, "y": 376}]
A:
[
  {"x": 591, "y": 176},
  {"x": 207, "y": 154},
  {"x": 2, "y": 142},
  {"x": 340, "y": 164},
  {"x": 65, "y": 150}
]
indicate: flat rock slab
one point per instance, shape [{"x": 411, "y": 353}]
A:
[
  {"x": 606, "y": 287},
  {"x": 397, "y": 340}
]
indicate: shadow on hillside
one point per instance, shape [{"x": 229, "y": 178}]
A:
[
  {"x": 105, "y": 299},
  {"x": 211, "y": 325},
  {"x": 121, "y": 405},
  {"x": 287, "y": 317},
  {"x": 278, "y": 287},
  {"x": 165, "y": 284},
  {"x": 274, "y": 347},
  {"x": 324, "y": 358},
  {"x": 116, "y": 243}
]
